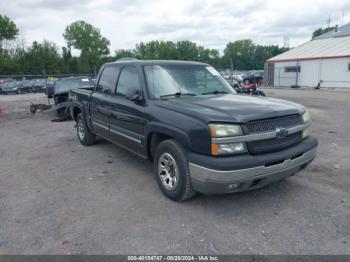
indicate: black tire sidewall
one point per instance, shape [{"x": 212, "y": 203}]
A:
[{"x": 182, "y": 165}]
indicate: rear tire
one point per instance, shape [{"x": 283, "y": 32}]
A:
[
  {"x": 172, "y": 171},
  {"x": 85, "y": 136}
]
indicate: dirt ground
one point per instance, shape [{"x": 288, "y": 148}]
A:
[{"x": 58, "y": 197}]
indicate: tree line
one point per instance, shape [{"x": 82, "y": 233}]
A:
[{"x": 47, "y": 58}]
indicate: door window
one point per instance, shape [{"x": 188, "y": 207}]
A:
[
  {"x": 128, "y": 83},
  {"x": 108, "y": 80}
]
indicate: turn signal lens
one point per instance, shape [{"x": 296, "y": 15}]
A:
[
  {"x": 227, "y": 149},
  {"x": 214, "y": 149}
]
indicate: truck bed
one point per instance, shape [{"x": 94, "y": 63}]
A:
[{"x": 81, "y": 96}]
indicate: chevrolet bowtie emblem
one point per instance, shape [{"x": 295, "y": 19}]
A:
[{"x": 281, "y": 132}]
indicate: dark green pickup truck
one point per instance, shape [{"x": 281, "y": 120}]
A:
[{"x": 200, "y": 134}]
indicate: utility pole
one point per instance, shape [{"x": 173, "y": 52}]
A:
[
  {"x": 286, "y": 42},
  {"x": 329, "y": 20}
]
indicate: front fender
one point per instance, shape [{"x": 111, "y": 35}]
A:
[{"x": 180, "y": 135}]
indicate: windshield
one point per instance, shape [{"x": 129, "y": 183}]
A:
[
  {"x": 177, "y": 80},
  {"x": 73, "y": 83}
]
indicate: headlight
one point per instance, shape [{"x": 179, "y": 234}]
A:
[
  {"x": 224, "y": 130},
  {"x": 306, "y": 117}
]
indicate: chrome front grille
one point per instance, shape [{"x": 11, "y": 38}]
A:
[
  {"x": 270, "y": 125},
  {"x": 271, "y": 145}
]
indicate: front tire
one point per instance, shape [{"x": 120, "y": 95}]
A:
[
  {"x": 172, "y": 171},
  {"x": 85, "y": 137}
]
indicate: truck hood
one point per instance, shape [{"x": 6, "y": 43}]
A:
[{"x": 231, "y": 107}]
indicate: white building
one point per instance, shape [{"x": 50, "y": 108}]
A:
[{"x": 324, "y": 61}]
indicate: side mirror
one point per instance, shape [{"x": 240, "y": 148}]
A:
[{"x": 134, "y": 95}]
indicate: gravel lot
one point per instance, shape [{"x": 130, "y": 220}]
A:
[{"x": 58, "y": 197}]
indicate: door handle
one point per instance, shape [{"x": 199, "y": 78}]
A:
[
  {"x": 93, "y": 101},
  {"x": 113, "y": 105}
]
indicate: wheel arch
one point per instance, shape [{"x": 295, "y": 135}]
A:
[
  {"x": 75, "y": 109},
  {"x": 156, "y": 133}
]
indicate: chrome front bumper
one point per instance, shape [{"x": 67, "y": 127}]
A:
[{"x": 216, "y": 181}]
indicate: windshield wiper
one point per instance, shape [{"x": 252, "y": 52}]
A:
[
  {"x": 215, "y": 92},
  {"x": 178, "y": 94}
]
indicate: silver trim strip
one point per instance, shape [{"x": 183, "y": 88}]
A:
[
  {"x": 99, "y": 125},
  {"x": 255, "y": 137},
  {"x": 126, "y": 136},
  {"x": 117, "y": 132},
  {"x": 202, "y": 174}
]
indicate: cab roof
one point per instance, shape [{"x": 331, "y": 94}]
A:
[{"x": 156, "y": 62}]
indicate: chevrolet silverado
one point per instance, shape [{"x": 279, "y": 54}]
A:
[{"x": 200, "y": 134}]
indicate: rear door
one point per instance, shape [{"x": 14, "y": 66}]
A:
[
  {"x": 127, "y": 122},
  {"x": 102, "y": 99}
]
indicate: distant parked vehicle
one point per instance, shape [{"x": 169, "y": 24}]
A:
[
  {"x": 26, "y": 86},
  {"x": 3, "y": 81},
  {"x": 13, "y": 87},
  {"x": 38, "y": 85}
]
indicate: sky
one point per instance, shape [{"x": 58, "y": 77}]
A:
[{"x": 211, "y": 23}]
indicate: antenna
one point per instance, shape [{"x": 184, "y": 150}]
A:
[{"x": 342, "y": 18}]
